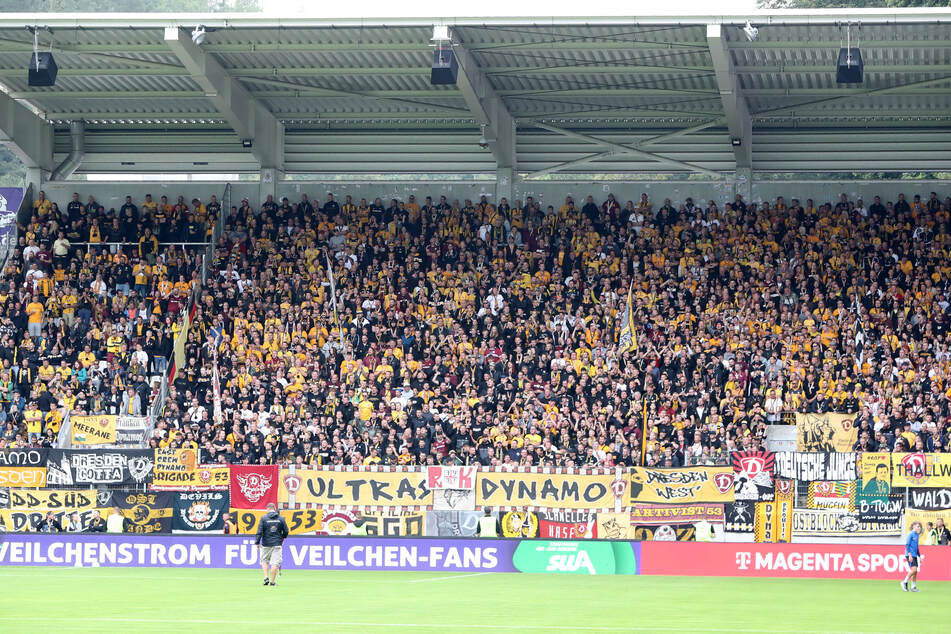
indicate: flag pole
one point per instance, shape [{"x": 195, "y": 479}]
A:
[{"x": 333, "y": 299}]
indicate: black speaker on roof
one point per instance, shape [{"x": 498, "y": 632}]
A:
[
  {"x": 445, "y": 67},
  {"x": 849, "y": 69},
  {"x": 42, "y": 69}
]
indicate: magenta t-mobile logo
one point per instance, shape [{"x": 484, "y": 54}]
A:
[{"x": 743, "y": 560}]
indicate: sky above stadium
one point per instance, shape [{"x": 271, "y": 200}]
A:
[{"x": 501, "y": 8}]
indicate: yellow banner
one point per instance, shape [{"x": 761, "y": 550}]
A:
[
  {"x": 343, "y": 523},
  {"x": 25, "y": 521},
  {"x": 299, "y": 522},
  {"x": 354, "y": 488},
  {"x": 875, "y": 473},
  {"x": 615, "y": 526},
  {"x": 28, "y": 477},
  {"x": 773, "y": 521},
  {"x": 203, "y": 476},
  {"x": 917, "y": 515},
  {"x": 828, "y": 494},
  {"x": 826, "y": 432},
  {"x": 921, "y": 470},
  {"x": 549, "y": 490},
  {"x": 53, "y": 499},
  {"x": 94, "y": 430},
  {"x": 681, "y": 486},
  {"x": 179, "y": 469},
  {"x": 175, "y": 460}
]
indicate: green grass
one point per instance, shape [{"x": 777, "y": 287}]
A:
[{"x": 155, "y": 599}]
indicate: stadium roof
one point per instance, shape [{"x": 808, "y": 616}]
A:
[{"x": 586, "y": 95}]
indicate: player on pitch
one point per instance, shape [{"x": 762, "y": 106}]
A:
[
  {"x": 912, "y": 556},
  {"x": 272, "y": 531}
]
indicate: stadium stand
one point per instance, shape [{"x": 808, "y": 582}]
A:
[
  {"x": 91, "y": 303},
  {"x": 467, "y": 332}
]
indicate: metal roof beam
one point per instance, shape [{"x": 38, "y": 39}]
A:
[
  {"x": 249, "y": 118},
  {"x": 735, "y": 109},
  {"x": 487, "y": 107},
  {"x": 397, "y": 96},
  {"x": 614, "y": 150},
  {"x": 571, "y": 44},
  {"x": 27, "y": 135}
]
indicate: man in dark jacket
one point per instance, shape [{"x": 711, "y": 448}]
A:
[
  {"x": 272, "y": 531},
  {"x": 48, "y": 524},
  {"x": 97, "y": 524}
]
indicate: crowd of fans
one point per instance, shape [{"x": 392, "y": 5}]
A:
[
  {"x": 469, "y": 332},
  {"x": 90, "y": 303}
]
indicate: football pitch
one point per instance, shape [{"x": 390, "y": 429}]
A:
[{"x": 173, "y": 599}]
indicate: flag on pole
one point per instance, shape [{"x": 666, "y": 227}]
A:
[
  {"x": 216, "y": 390},
  {"x": 333, "y": 298},
  {"x": 628, "y": 338}
]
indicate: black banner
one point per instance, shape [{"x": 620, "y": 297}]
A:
[
  {"x": 453, "y": 523},
  {"x": 930, "y": 499},
  {"x": 738, "y": 517},
  {"x": 145, "y": 512},
  {"x": 200, "y": 511},
  {"x": 24, "y": 457},
  {"x": 666, "y": 533},
  {"x": 25, "y": 521},
  {"x": 4, "y": 497},
  {"x": 753, "y": 475},
  {"x": 99, "y": 466},
  {"x": 880, "y": 511},
  {"x": 815, "y": 466}
]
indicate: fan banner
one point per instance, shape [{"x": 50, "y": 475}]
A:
[
  {"x": 615, "y": 526},
  {"x": 353, "y": 488},
  {"x": 913, "y": 515},
  {"x": 642, "y": 514},
  {"x": 549, "y": 490},
  {"x": 33, "y": 477},
  {"x": 816, "y": 466},
  {"x": 567, "y": 524},
  {"x": 145, "y": 513},
  {"x": 875, "y": 471},
  {"x": 77, "y": 467},
  {"x": 921, "y": 470},
  {"x": 666, "y": 533},
  {"x": 178, "y": 470},
  {"x": 826, "y": 433},
  {"x": 826, "y": 494},
  {"x": 10, "y": 199},
  {"x": 254, "y": 486},
  {"x": 930, "y": 499},
  {"x": 679, "y": 486},
  {"x": 25, "y": 521},
  {"x": 838, "y": 523},
  {"x": 753, "y": 475},
  {"x": 202, "y": 511},
  {"x": 53, "y": 499},
  {"x": 453, "y": 523},
  {"x": 738, "y": 517},
  {"x": 33, "y": 457},
  {"x": 299, "y": 521},
  {"x": 878, "y": 511},
  {"x": 438, "y": 478},
  {"x": 93, "y": 430}
]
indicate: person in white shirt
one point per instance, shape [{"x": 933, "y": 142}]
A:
[
  {"x": 74, "y": 525},
  {"x": 860, "y": 208},
  {"x": 116, "y": 521},
  {"x": 98, "y": 286}
]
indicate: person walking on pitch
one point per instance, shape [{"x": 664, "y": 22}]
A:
[
  {"x": 272, "y": 531},
  {"x": 912, "y": 556}
]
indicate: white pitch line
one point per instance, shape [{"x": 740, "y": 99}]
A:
[
  {"x": 456, "y": 626},
  {"x": 473, "y": 574}
]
